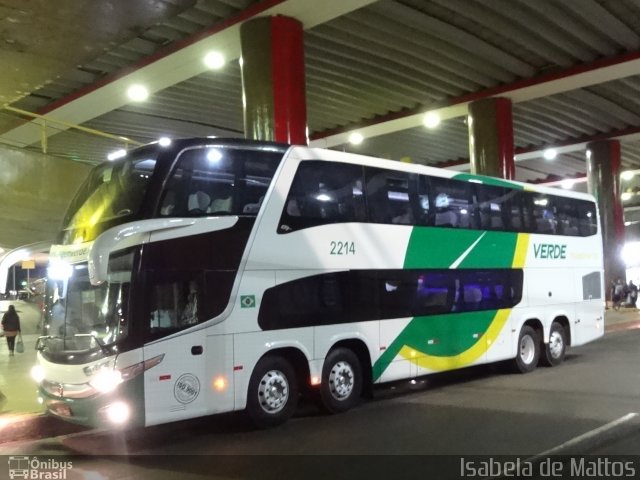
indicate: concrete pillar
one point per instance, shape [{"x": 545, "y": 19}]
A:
[
  {"x": 491, "y": 138},
  {"x": 603, "y": 175},
  {"x": 273, "y": 80}
]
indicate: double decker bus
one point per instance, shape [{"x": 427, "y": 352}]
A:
[{"x": 215, "y": 275}]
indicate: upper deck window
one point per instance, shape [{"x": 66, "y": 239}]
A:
[
  {"x": 218, "y": 181},
  {"x": 327, "y": 192},
  {"x": 113, "y": 190}
]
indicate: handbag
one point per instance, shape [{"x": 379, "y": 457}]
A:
[{"x": 19, "y": 345}]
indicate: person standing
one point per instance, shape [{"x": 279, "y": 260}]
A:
[
  {"x": 11, "y": 327},
  {"x": 633, "y": 294},
  {"x": 618, "y": 293}
]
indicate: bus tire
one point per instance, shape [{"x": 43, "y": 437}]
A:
[
  {"x": 553, "y": 352},
  {"x": 273, "y": 392},
  {"x": 341, "y": 384},
  {"x": 528, "y": 352}
]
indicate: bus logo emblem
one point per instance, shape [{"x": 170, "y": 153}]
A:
[
  {"x": 247, "y": 301},
  {"x": 187, "y": 388}
]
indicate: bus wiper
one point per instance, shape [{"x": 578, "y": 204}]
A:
[{"x": 102, "y": 346}]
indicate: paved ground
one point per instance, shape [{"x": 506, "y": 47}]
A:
[
  {"x": 15, "y": 379},
  {"x": 20, "y": 415}
]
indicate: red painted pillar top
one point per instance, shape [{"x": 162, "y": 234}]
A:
[{"x": 273, "y": 80}]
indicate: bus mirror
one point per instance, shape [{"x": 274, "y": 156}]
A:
[{"x": 123, "y": 236}]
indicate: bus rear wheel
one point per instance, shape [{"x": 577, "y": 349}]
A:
[
  {"x": 553, "y": 353},
  {"x": 528, "y": 352},
  {"x": 341, "y": 384},
  {"x": 273, "y": 392}
]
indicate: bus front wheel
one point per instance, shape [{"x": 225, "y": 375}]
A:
[
  {"x": 341, "y": 383},
  {"x": 528, "y": 350},
  {"x": 273, "y": 392},
  {"x": 554, "y": 351}
]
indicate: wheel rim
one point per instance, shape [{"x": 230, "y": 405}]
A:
[
  {"x": 556, "y": 344},
  {"x": 341, "y": 380},
  {"x": 527, "y": 349},
  {"x": 273, "y": 392}
]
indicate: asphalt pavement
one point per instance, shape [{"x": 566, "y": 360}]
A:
[{"x": 22, "y": 417}]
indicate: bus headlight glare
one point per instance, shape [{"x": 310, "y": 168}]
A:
[
  {"x": 59, "y": 271},
  {"x": 118, "y": 413},
  {"x": 106, "y": 380},
  {"x": 37, "y": 373}
]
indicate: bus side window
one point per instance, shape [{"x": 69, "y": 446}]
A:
[
  {"x": 491, "y": 203},
  {"x": 587, "y": 219},
  {"x": 390, "y": 196},
  {"x": 544, "y": 215},
  {"x": 453, "y": 206},
  {"x": 424, "y": 211},
  {"x": 323, "y": 193},
  {"x": 568, "y": 217},
  {"x": 176, "y": 301}
]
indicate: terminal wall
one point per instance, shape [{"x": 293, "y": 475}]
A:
[{"x": 35, "y": 190}]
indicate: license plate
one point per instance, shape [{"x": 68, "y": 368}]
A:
[{"x": 60, "y": 409}]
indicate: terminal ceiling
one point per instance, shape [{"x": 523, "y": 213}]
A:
[{"x": 571, "y": 67}]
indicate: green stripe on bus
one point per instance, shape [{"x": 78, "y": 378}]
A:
[
  {"x": 496, "y": 182},
  {"x": 441, "y": 247},
  {"x": 437, "y": 335}
]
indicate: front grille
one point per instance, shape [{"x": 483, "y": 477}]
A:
[{"x": 68, "y": 390}]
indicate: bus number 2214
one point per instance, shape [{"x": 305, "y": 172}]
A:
[{"x": 343, "y": 248}]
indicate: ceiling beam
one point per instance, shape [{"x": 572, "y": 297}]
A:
[
  {"x": 180, "y": 62},
  {"x": 520, "y": 91}
]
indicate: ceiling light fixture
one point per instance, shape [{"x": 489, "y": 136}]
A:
[
  {"x": 356, "y": 138},
  {"x": 626, "y": 196},
  {"x": 164, "y": 141},
  {"x": 550, "y": 153},
  {"x": 431, "y": 120},
  {"x": 627, "y": 175},
  {"x": 138, "y": 93},
  {"x": 214, "y": 60}
]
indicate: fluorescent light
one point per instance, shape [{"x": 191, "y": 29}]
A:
[
  {"x": 356, "y": 138},
  {"x": 214, "y": 60},
  {"x": 627, "y": 175},
  {"x": 550, "y": 153},
  {"x": 431, "y": 120},
  {"x": 138, "y": 93}
]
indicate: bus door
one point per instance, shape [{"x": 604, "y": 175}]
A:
[{"x": 176, "y": 387}]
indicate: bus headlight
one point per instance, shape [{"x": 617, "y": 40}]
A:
[
  {"x": 106, "y": 380},
  {"x": 37, "y": 373},
  {"x": 117, "y": 413}
]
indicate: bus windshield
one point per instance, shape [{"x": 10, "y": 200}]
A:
[
  {"x": 80, "y": 316},
  {"x": 112, "y": 190}
]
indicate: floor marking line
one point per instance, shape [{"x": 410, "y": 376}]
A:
[{"x": 588, "y": 435}]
